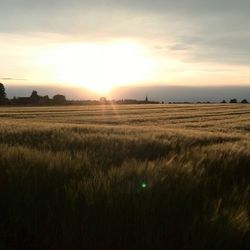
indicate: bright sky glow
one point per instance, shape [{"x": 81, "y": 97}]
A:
[{"x": 98, "y": 67}]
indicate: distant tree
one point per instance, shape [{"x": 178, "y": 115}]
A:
[
  {"x": 146, "y": 99},
  {"x": 34, "y": 98},
  {"x": 34, "y": 94},
  {"x": 244, "y": 101},
  {"x": 2, "y": 94},
  {"x": 103, "y": 99},
  {"x": 59, "y": 99},
  {"x": 46, "y": 99},
  {"x": 14, "y": 100},
  {"x": 233, "y": 101},
  {"x": 224, "y": 101}
]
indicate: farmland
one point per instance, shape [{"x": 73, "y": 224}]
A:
[{"x": 125, "y": 177}]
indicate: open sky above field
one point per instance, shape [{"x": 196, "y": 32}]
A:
[{"x": 103, "y": 45}]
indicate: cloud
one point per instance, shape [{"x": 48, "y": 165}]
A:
[
  {"x": 214, "y": 30},
  {"x": 12, "y": 79},
  {"x": 54, "y": 14}
]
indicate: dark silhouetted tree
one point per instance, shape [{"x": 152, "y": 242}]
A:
[
  {"x": 224, "y": 101},
  {"x": 34, "y": 98},
  {"x": 59, "y": 99},
  {"x": 34, "y": 94},
  {"x": 103, "y": 100},
  {"x": 244, "y": 101},
  {"x": 2, "y": 94},
  {"x": 233, "y": 101},
  {"x": 146, "y": 99},
  {"x": 46, "y": 100}
]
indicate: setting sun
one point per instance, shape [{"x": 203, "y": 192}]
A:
[{"x": 98, "y": 67}]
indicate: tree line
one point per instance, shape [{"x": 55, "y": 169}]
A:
[
  {"x": 234, "y": 100},
  {"x": 33, "y": 99}
]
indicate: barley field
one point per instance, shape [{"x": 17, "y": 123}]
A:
[{"x": 125, "y": 177}]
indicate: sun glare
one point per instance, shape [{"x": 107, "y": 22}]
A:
[{"x": 99, "y": 67}]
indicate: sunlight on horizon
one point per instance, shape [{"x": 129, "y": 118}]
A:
[
  {"x": 99, "y": 67},
  {"x": 103, "y": 67}
]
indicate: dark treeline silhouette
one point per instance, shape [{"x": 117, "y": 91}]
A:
[
  {"x": 244, "y": 101},
  {"x": 104, "y": 101},
  {"x": 33, "y": 99},
  {"x": 233, "y": 101},
  {"x": 3, "y": 99},
  {"x": 36, "y": 100}
]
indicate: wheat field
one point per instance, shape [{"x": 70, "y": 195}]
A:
[{"x": 125, "y": 177}]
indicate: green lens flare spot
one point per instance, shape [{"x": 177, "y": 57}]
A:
[{"x": 144, "y": 185}]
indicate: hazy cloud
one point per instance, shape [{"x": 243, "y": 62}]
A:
[
  {"x": 12, "y": 79},
  {"x": 214, "y": 30}
]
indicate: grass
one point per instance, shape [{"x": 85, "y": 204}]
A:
[{"x": 125, "y": 177}]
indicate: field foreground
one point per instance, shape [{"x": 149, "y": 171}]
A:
[{"x": 125, "y": 177}]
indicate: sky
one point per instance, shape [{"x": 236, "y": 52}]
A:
[{"x": 104, "y": 45}]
